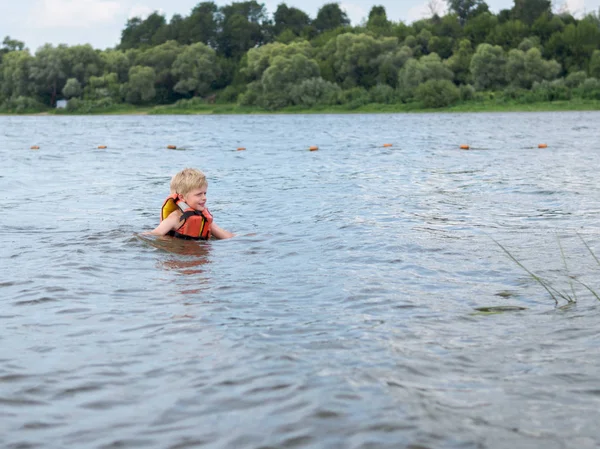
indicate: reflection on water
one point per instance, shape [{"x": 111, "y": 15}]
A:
[
  {"x": 364, "y": 303},
  {"x": 198, "y": 253}
]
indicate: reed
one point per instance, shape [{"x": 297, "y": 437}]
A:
[{"x": 570, "y": 295}]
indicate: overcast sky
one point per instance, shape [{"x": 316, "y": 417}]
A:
[{"x": 100, "y": 22}]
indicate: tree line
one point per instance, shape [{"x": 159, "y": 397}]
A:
[{"x": 239, "y": 53}]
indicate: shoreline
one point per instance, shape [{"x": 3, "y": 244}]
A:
[{"x": 372, "y": 108}]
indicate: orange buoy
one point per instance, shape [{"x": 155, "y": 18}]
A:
[
  {"x": 313, "y": 148},
  {"x": 543, "y": 145},
  {"x": 387, "y": 145},
  {"x": 102, "y": 147},
  {"x": 241, "y": 149},
  {"x": 35, "y": 147},
  {"x": 171, "y": 147},
  {"x": 464, "y": 147}
]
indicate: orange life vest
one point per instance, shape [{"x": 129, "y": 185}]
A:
[{"x": 196, "y": 224}]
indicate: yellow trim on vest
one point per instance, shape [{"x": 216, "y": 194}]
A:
[{"x": 169, "y": 207}]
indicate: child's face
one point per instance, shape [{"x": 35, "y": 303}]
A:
[{"x": 196, "y": 198}]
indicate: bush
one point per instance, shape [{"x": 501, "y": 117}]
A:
[
  {"x": 467, "y": 92},
  {"x": 314, "y": 91},
  {"x": 590, "y": 89},
  {"x": 514, "y": 93},
  {"x": 74, "y": 104},
  {"x": 437, "y": 93},
  {"x": 230, "y": 94},
  {"x": 89, "y": 106},
  {"x": 551, "y": 90},
  {"x": 189, "y": 103},
  {"x": 575, "y": 79},
  {"x": 274, "y": 100},
  {"x": 22, "y": 105},
  {"x": 72, "y": 88},
  {"x": 383, "y": 93},
  {"x": 252, "y": 95},
  {"x": 354, "y": 98}
]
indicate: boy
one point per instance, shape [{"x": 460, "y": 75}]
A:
[{"x": 184, "y": 214}]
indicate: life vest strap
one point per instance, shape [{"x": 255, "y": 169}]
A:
[
  {"x": 183, "y": 236},
  {"x": 190, "y": 213}
]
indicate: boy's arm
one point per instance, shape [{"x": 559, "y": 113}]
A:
[
  {"x": 220, "y": 233},
  {"x": 168, "y": 224}
]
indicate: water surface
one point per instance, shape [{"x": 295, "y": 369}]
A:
[{"x": 343, "y": 315}]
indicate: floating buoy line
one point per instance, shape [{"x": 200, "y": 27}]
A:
[{"x": 311, "y": 148}]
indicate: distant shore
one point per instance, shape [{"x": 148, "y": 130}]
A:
[{"x": 234, "y": 109}]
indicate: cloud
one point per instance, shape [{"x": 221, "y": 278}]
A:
[
  {"x": 418, "y": 12},
  {"x": 575, "y": 7},
  {"x": 355, "y": 12},
  {"x": 73, "y": 13}
]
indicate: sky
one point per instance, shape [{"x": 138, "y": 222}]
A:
[{"x": 100, "y": 22}]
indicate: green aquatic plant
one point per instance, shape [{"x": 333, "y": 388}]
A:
[
  {"x": 570, "y": 296},
  {"x": 564, "y": 259},
  {"x": 494, "y": 310}
]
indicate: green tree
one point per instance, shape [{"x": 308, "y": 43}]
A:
[
  {"x": 594, "y": 68},
  {"x": 575, "y": 79},
  {"x": 259, "y": 59},
  {"x": 358, "y": 57},
  {"x": 488, "y": 67},
  {"x": 115, "y": 61},
  {"x": 174, "y": 29},
  {"x": 200, "y": 26},
  {"x": 72, "y": 88},
  {"x": 140, "y": 88},
  {"x": 508, "y": 34},
  {"x": 573, "y": 47},
  {"x": 139, "y": 32},
  {"x": 437, "y": 93},
  {"x": 195, "y": 69},
  {"x": 400, "y": 30},
  {"x": 389, "y": 64},
  {"x": 478, "y": 28},
  {"x": 382, "y": 94},
  {"x": 82, "y": 61},
  {"x": 527, "y": 11},
  {"x": 378, "y": 21},
  {"x": 416, "y": 72},
  {"x": 423, "y": 39},
  {"x": 460, "y": 62},
  {"x": 243, "y": 26},
  {"x": 314, "y": 91},
  {"x": 546, "y": 25},
  {"x": 103, "y": 87},
  {"x": 525, "y": 68},
  {"x": 15, "y": 74},
  {"x": 9, "y": 45},
  {"x": 290, "y": 19},
  {"x": 161, "y": 58},
  {"x": 449, "y": 26},
  {"x": 283, "y": 74},
  {"x": 49, "y": 72},
  {"x": 329, "y": 17},
  {"x": 441, "y": 45},
  {"x": 466, "y": 9},
  {"x": 530, "y": 42}
]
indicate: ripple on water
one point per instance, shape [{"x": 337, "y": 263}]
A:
[{"x": 357, "y": 307}]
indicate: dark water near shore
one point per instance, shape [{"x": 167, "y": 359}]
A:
[{"x": 343, "y": 315}]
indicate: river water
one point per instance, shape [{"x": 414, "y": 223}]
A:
[{"x": 350, "y": 311}]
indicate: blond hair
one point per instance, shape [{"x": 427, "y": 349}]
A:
[{"x": 187, "y": 180}]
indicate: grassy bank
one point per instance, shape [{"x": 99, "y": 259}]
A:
[
  {"x": 474, "y": 106},
  {"x": 374, "y": 108}
]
